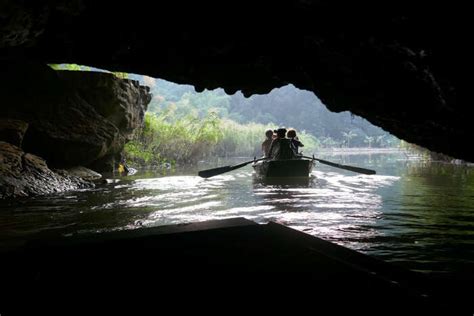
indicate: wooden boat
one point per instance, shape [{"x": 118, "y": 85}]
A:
[
  {"x": 291, "y": 168},
  {"x": 282, "y": 169},
  {"x": 234, "y": 261}
]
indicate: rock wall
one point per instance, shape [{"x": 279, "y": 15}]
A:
[
  {"x": 12, "y": 131},
  {"x": 403, "y": 65},
  {"x": 74, "y": 118},
  {"x": 23, "y": 174},
  {"x": 54, "y": 120}
]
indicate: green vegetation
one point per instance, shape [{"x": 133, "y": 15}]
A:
[
  {"x": 182, "y": 126},
  {"x": 71, "y": 67},
  {"x": 167, "y": 138},
  {"x": 76, "y": 67},
  {"x": 286, "y": 106},
  {"x": 426, "y": 154},
  {"x": 164, "y": 139}
]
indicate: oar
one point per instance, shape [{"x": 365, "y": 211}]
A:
[
  {"x": 351, "y": 168},
  {"x": 216, "y": 171}
]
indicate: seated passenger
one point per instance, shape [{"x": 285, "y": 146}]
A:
[
  {"x": 267, "y": 142},
  {"x": 295, "y": 143},
  {"x": 280, "y": 148}
]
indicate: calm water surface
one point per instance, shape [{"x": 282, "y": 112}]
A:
[{"x": 412, "y": 213}]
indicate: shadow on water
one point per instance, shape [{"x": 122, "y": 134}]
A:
[
  {"x": 416, "y": 214},
  {"x": 281, "y": 193},
  {"x": 283, "y": 182}
]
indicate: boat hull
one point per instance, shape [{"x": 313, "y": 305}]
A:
[{"x": 291, "y": 168}]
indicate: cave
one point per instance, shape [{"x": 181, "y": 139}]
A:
[
  {"x": 393, "y": 63},
  {"x": 398, "y": 64}
]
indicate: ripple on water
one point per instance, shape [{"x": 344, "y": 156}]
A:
[{"x": 415, "y": 213}]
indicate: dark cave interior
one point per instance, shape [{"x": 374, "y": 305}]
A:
[{"x": 398, "y": 64}]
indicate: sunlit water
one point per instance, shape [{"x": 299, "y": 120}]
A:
[{"x": 416, "y": 214}]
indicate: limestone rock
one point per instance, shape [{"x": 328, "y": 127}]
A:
[
  {"x": 24, "y": 174},
  {"x": 84, "y": 173},
  {"x": 12, "y": 131},
  {"x": 75, "y": 118}
]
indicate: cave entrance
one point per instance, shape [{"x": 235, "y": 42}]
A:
[{"x": 194, "y": 126}]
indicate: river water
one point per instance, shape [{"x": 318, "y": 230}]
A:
[{"x": 415, "y": 214}]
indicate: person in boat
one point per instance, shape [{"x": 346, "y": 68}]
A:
[
  {"x": 122, "y": 166},
  {"x": 295, "y": 143},
  {"x": 267, "y": 142},
  {"x": 280, "y": 148}
]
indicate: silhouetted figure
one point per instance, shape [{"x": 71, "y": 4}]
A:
[
  {"x": 295, "y": 143},
  {"x": 280, "y": 148},
  {"x": 267, "y": 142}
]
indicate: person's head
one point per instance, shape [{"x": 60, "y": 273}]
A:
[
  {"x": 281, "y": 132},
  {"x": 269, "y": 133},
  {"x": 291, "y": 133}
]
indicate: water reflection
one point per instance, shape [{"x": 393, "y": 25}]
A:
[
  {"x": 343, "y": 208},
  {"x": 301, "y": 181},
  {"x": 411, "y": 213}
]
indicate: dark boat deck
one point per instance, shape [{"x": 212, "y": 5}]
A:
[
  {"x": 294, "y": 168},
  {"x": 235, "y": 263}
]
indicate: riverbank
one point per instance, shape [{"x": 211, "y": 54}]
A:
[
  {"x": 409, "y": 155},
  {"x": 362, "y": 151}
]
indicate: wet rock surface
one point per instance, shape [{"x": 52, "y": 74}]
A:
[
  {"x": 23, "y": 174},
  {"x": 84, "y": 173}
]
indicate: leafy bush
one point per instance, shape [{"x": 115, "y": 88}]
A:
[{"x": 186, "y": 140}]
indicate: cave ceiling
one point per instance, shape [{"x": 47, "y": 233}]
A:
[{"x": 402, "y": 65}]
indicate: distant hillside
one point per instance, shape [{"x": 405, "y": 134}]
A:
[{"x": 286, "y": 106}]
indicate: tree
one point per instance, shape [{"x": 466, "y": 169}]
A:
[
  {"x": 368, "y": 140},
  {"x": 380, "y": 140},
  {"x": 348, "y": 136}
]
